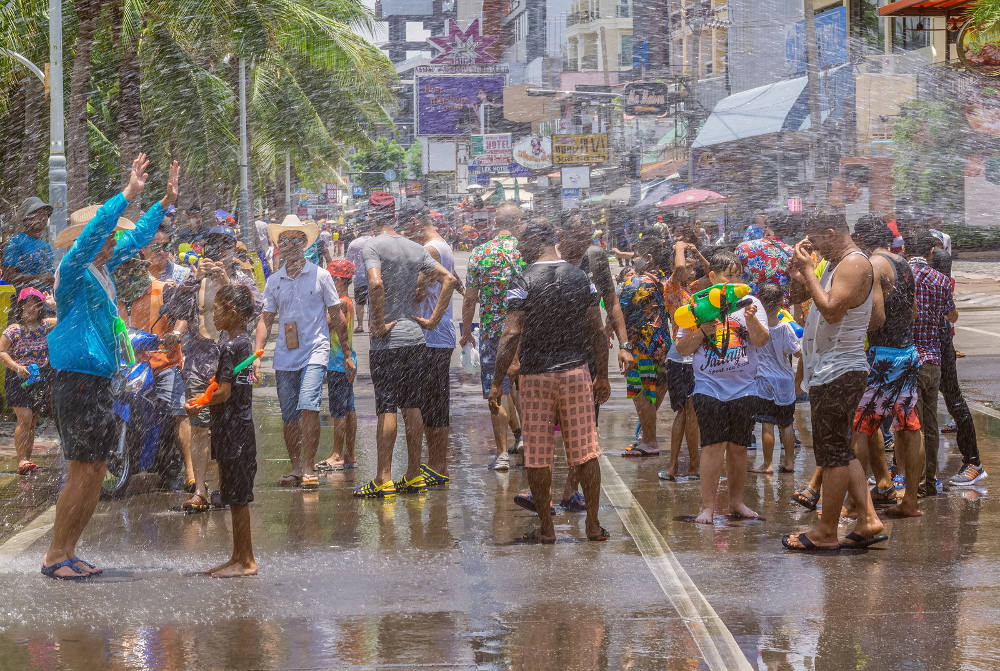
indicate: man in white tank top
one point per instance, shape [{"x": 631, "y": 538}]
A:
[{"x": 836, "y": 370}]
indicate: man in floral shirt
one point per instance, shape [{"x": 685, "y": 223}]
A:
[
  {"x": 491, "y": 268},
  {"x": 766, "y": 260}
]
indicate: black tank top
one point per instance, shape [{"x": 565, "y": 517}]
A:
[{"x": 896, "y": 331}]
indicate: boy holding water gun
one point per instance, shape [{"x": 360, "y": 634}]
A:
[
  {"x": 725, "y": 353},
  {"x": 229, "y": 399}
]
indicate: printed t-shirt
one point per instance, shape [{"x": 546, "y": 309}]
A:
[
  {"x": 29, "y": 346},
  {"x": 232, "y": 421},
  {"x": 555, "y": 297},
  {"x": 401, "y": 262},
  {"x": 728, "y": 371},
  {"x": 336, "y": 351},
  {"x": 775, "y": 377}
]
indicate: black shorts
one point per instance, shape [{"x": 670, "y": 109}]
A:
[
  {"x": 84, "y": 410},
  {"x": 724, "y": 421},
  {"x": 769, "y": 412},
  {"x": 397, "y": 375},
  {"x": 833, "y": 406},
  {"x": 236, "y": 478},
  {"x": 361, "y": 295},
  {"x": 436, "y": 402},
  {"x": 680, "y": 383},
  {"x": 35, "y": 397}
]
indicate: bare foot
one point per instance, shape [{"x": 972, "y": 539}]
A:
[
  {"x": 597, "y": 533},
  {"x": 86, "y": 569},
  {"x": 220, "y": 567},
  {"x": 706, "y": 516},
  {"x": 742, "y": 512},
  {"x": 869, "y": 529},
  {"x": 237, "y": 570},
  {"x": 901, "y": 510},
  {"x": 536, "y": 536},
  {"x": 849, "y": 513},
  {"x": 764, "y": 470},
  {"x": 786, "y": 469}
]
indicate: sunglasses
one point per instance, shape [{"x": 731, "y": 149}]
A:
[{"x": 159, "y": 247}]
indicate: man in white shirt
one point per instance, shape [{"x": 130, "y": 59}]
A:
[{"x": 304, "y": 299}]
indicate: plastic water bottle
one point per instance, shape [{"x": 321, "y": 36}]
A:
[{"x": 470, "y": 355}]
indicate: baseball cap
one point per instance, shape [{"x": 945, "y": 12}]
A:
[
  {"x": 412, "y": 207},
  {"x": 226, "y": 231}
]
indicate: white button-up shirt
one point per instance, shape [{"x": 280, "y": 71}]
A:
[{"x": 303, "y": 300}]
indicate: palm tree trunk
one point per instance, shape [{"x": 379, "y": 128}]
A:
[
  {"x": 31, "y": 138},
  {"x": 77, "y": 151}
]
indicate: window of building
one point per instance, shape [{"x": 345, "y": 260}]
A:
[{"x": 625, "y": 54}]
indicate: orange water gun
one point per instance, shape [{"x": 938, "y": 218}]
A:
[{"x": 206, "y": 397}]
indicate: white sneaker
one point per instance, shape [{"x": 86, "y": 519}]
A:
[{"x": 501, "y": 463}]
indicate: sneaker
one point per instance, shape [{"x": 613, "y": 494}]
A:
[
  {"x": 517, "y": 447},
  {"x": 899, "y": 482},
  {"x": 968, "y": 476},
  {"x": 414, "y": 486},
  {"x": 386, "y": 490},
  {"x": 432, "y": 478},
  {"x": 890, "y": 441},
  {"x": 500, "y": 463}
]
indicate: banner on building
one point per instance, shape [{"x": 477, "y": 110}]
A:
[
  {"x": 647, "y": 98},
  {"x": 831, "y": 41},
  {"x": 580, "y": 148},
  {"x": 534, "y": 152},
  {"x": 459, "y": 104}
]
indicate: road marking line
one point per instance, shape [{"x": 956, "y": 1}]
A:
[
  {"x": 979, "y": 331},
  {"x": 23, "y": 539},
  {"x": 979, "y": 407},
  {"x": 716, "y": 643}
]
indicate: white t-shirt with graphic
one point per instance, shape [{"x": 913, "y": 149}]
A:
[
  {"x": 775, "y": 377},
  {"x": 726, "y": 371}
]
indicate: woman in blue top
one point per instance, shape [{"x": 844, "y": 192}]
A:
[{"x": 84, "y": 353}]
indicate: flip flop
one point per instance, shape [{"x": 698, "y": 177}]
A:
[
  {"x": 603, "y": 537},
  {"x": 27, "y": 468},
  {"x": 528, "y": 503},
  {"x": 807, "y": 497},
  {"x": 327, "y": 467},
  {"x": 807, "y": 545},
  {"x": 640, "y": 450},
  {"x": 96, "y": 571},
  {"x": 310, "y": 482},
  {"x": 189, "y": 505},
  {"x": 663, "y": 475},
  {"x": 50, "y": 571},
  {"x": 858, "y": 541}
]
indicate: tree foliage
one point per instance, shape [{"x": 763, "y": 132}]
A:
[{"x": 370, "y": 163}]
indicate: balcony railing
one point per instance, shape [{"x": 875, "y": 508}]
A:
[{"x": 583, "y": 16}]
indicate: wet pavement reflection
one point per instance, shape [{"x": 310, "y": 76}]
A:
[{"x": 440, "y": 580}]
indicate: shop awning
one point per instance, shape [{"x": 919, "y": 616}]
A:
[
  {"x": 777, "y": 107},
  {"x": 661, "y": 169},
  {"x": 925, "y": 7}
]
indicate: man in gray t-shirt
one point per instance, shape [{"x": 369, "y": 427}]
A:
[{"x": 393, "y": 264}]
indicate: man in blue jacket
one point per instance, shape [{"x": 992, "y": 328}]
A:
[{"x": 84, "y": 352}]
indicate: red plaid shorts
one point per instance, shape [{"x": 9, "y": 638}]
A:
[{"x": 568, "y": 395}]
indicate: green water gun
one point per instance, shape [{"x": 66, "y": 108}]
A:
[
  {"x": 121, "y": 333},
  {"x": 710, "y": 303},
  {"x": 206, "y": 397}
]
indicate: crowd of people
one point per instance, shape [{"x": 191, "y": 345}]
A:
[{"x": 870, "y": 358}]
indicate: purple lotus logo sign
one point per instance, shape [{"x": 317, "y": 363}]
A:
[{"x": 460, "y": 47}]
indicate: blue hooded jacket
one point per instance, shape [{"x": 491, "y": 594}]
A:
[{"x": 83, "y": 340}]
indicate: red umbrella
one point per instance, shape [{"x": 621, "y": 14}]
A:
[{"x": 691, "y": 198}]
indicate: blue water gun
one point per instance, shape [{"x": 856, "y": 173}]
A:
[
  {"x": 34, "y": 375},
  {"x": 785, "y": 316}
]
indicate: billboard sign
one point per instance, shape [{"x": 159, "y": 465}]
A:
[
  {"x": 407, "y": 8},
  {"x": 647, "y": 98},
  {"x": 462, "y": 47},
  {"x": 457, "y": 104},
  {"x": 534, "y": 152},
  {"x": 831, "y": 41},
  {"x": 580, "y": 148}
]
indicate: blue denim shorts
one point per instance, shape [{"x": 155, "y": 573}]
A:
[
  {"x": 341, "y": 393},
  {"x": 300, "y": 390}
]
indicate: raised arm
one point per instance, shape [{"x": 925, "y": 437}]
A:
[
  {"x": 849, "y": 288},
  {"x": 132, "y": 241}
]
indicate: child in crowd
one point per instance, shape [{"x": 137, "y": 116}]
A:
[
  {"x": 22, "y": 344},
  {"x": 776, "y": 382},
  {"x": 341, "y": 391},
  {"x": 725, "y": 367},
  {"x": 234, "y": 445}
]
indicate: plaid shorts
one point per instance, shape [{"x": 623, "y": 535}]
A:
[{"x": 570, "y": 395}]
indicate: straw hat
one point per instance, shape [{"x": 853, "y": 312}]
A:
[
  {"x": 81, "y": 218},
  {"x": 293, "y": 223}
]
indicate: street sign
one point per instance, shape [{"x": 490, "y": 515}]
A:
[
  {"x": 646, "y": 98},
  {"x": 580, "y": 148},
  {"x": 390, "y": 175},
  {"x": 357, "y": 190}
]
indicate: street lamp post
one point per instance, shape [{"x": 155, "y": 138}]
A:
[
  {"x": 244, "y": 161},
  {"x": 57, "y": 142}
]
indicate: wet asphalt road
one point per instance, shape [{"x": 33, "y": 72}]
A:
[{"x": 440, "y": 581}]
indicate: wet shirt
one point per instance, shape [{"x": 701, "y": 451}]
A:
[
  {"x": 676, "y": 295},
  {"x": 29, "y": 255},
  {"x": 336, "y": 351},
  {"x": 595, "y": 264},
  {"x": 301, "y": 304},
  {"x": 644, "y": 307},
  {"x": 727, "y": 370},
  {"x": 29, "y": 345},
  {"x": 935, "y": 299},
  {"x": 775, "y": 377},
  {"x": 232, "y": 422},
  {"x": 400, "y": 261},
  {"x": 766, "y": 261},
  {"x": 555, "y": 297},
  {"x": 492, "y": 266},
  {"x": 355, "y": 254}
]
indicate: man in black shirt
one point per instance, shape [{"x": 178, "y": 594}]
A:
[{"x": 546, "y": 306}]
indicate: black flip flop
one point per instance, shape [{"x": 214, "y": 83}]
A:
[
  {"x": 812, "y": 499},
  {"x": 858, "y": 541},
  {"x": 604, "y": 536},
  {"x": 807, "y": 545}
]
